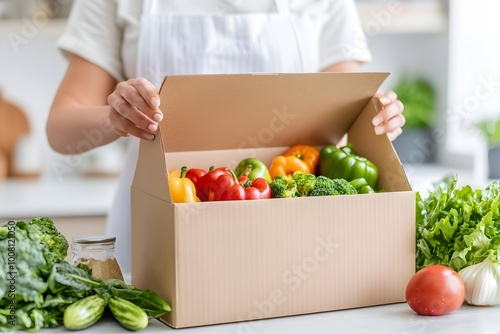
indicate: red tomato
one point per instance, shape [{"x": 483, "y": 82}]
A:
[{"x": 435, "y": 290}]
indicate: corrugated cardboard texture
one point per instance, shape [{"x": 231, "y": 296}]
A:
[
  {"x": 258, "y": 259},
  {"x": 283, "y": 257},
  {"x": 240, "y": 260}
]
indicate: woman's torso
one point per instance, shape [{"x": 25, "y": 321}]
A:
[{"x": 129, "y": 12}]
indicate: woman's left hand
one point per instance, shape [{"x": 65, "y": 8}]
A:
[{"x": 390, "y": 119}]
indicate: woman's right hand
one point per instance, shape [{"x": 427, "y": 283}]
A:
[{"x": 135, "y": 109}]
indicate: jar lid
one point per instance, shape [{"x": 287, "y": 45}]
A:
[{"x": 93, "y": 239}]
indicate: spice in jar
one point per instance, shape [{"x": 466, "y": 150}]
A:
[{"x": 98, "y": 253}]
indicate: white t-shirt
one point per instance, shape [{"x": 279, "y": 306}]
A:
[{"x": 106, "y": 32}]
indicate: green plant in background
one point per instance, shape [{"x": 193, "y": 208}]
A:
[
  {"x": 490, "y": 130},
  {"x": 419, "y": 99}
]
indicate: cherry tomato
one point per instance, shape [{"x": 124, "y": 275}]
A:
[{"x": 435, "y": 290}]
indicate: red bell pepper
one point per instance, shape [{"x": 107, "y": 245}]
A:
[
  {"x": 256, "y": 189},
  {"x": 226, "y": 187},
  {"x": 221, "y": 184},
  {"x": 204, "y": 182},
  {"x": 195, "y": 174}
]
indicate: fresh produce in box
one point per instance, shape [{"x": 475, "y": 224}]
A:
[
  {"x": 302, "y": 158},
  {"x": 308, "y": 154},
  {"x": 287, "y": 165},
  {"x": 203, "y": 180},
  {"x": 300, "y": 185},
  {"x": 344, "y": 163},
  {"x": 228, "y": 187},
  {"x": 37, "y": 286},
  {"x": 362, "y": 186},
  {"x": 256, "y": 189},
  {"x": 194, "y": 174},
  {"x": 182, "y": 189},
  {"x": 357, "y": 175},
  {"x": 252, "y": 168}
]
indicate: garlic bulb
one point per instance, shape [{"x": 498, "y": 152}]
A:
[{"x": 482, "y": 283}]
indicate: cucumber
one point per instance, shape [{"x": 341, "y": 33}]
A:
[
  {"x": 129, "y": 315},
  {"x": 84, "y": 312}
]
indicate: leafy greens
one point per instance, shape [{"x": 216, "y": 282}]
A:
[
  {"x": 36, "y": 284},
  {"x": 458, "y": 227}
]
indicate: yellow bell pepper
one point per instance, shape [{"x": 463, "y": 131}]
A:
[
  {"x": 182, "y": 189},
  {"x": 287, "y": 165}
]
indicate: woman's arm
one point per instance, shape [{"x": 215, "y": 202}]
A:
[
  {"x": 91, "y": 110},
  {"x": 346, "y": 66},
  {"x": 390, "y": 119}
]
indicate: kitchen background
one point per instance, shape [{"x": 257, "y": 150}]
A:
[{"x": 451, "y": 45}]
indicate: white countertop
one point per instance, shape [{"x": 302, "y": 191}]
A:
[
  {"x": 387, "y": 319},
  {"x": 71, "y": 198}
]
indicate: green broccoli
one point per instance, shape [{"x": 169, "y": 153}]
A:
[
  {"x": 44, "y": 230},
  {"x": 324, "y": 186},
  {"x": 283, "y": 186},
  {"x": 305, "y": 183},
  {"x": 344, "y": 187},
  {"x": 302, "y": 185}
]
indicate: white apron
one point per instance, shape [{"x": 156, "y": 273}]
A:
[{"x": 232, "y": 43}]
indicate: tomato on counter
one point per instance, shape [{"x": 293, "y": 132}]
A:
[{"x": 435, "y": 290}]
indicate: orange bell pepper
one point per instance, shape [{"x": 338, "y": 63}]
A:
[
  {"x": 306, "y": 153},
  {"x": 182, "y": 189},
  {"x": 287, "y": 165}
]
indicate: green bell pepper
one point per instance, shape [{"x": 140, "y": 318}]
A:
[
  {"x": 362, "y": 186},
  {"x": 346, "y": 164},
  {"x": 253, "y": 168}
]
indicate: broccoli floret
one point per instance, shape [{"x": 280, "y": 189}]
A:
[
  {"x": 344, "y": 187},
  {"x": 43, "y": 229},
  {"x": 305, "y": 183},
  {"x": 323, "y": 187},
  {"x": 283, "y": 186}
]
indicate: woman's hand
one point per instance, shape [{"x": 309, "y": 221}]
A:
[
  {"x": 135, "y": 109},
  {"x": 390, "y": 119}
]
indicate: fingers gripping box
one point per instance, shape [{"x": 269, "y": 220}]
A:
[{"x": 231, "y": 261}]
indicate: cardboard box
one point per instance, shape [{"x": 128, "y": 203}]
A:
[{"x": 232, "y": 261}]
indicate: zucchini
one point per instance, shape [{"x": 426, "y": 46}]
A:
[
  {"x": 84, "y": 312},
  {"x": 129, "y": 315}
]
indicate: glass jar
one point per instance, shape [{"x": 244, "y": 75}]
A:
[{"x": 97, "y": 252}]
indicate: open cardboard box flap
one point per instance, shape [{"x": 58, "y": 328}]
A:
[{"x": 248, "y": 112}]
